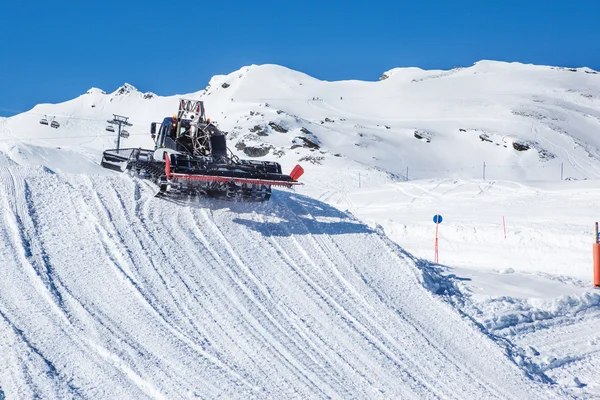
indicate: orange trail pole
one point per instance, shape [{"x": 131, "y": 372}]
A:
[
  {"x": 436, "y": 242},
  {"x": 596, "y": 249}
]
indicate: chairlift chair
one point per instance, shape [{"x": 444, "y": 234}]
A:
[
  {"x": 110, "y": 128},
  {"x": 44, "y": 121},
  {"x": 54, "y": 124},
  {"x": 124, "y": 134}
]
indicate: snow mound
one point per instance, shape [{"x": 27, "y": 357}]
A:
[
  {"x": 527, "y": 314},
  {"x": 124, "y": 295}
]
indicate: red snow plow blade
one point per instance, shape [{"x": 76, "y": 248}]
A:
[
  {"x": 223, "y": 179},
  {"x": 279, "y": 179},
  {"x": 234, "y": 182}
]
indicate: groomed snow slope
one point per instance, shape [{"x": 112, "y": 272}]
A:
[{"x": 109, "y": 292}]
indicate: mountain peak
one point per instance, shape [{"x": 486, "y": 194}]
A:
[
  {"x": 125, "y": 89},
  {"x": 95, "y": 90}
]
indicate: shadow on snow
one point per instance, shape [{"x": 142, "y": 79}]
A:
[{"x": 300, "y": 215}]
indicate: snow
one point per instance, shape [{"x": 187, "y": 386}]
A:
[
  {"x": 169, "y": 300},
  {"x": 95, "y": 91},
  {"x": 543, "y": 220},
  {"x": 533, "y": 287},
  {"x": 328, "y": 291}
]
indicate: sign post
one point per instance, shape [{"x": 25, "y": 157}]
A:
[{"x": 438, "y": 220}]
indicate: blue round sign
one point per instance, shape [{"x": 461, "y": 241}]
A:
[{"x": 437, "y": 219}]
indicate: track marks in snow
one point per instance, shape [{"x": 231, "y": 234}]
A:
[
  {"x": 265, "y": 324},
  {"x": 158, "y": 286},
  {"x": 27, "y": 365},
  {"x": 25, "y": 229},
  {"x": 155, "y": 298},
  {"x": 353, "y": 308}
]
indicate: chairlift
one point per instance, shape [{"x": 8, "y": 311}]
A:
[
  {"x": 124, "y": 134},
  {"x": 44, "y": 121},
  {"x": 54, "y": 124},
  {"x": 110, "y": 128}
]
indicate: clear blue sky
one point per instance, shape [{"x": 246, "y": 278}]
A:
[{"x": 52, "y": 51}]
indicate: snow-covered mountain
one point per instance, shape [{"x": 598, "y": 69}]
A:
[
  {"x": 523, "y": 121},
  {"x": 331, "y": 291}
]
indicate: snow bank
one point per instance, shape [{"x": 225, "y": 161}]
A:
[{"x": 520, "y": 315}]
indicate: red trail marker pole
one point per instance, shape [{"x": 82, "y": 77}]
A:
[
  {"x": 504, "y": 223},
  {"x": 436, "y": 243},
  {"x": 438, "y": 220},
  {"x": 596, "y": 250}
]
